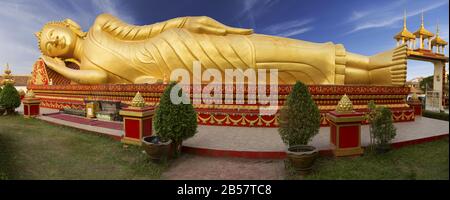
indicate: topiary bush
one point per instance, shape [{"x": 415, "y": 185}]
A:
[
  {"x": 435, "y": 115},
  {"x": 383, "y": 127},
  {"x": 299, "y": 117},
  {"x": 175, "y": 121},
  {"x": 9, "y": 98}
]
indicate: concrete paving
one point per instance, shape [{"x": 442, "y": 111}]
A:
[
  {"x": 268, "y": 139},
  {"x": 192, "y": 167}
]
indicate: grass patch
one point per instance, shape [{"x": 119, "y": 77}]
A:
[
  {"x": 427, "y": 161},
  {"x": 34, "y": 149}
]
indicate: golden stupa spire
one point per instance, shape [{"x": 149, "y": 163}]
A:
[
  {"x": 437, "y": 29},
  {"x": 344, "y": 105},
  {"x": 421, "y": 22},
  {"x": 405, "y": 34},
  {"x": 422, "y": 30},
  {"x": 138, "y": 101},
  {"x": 438, "y": 41},
  {"x": 30, "y": 94},
  {"x": 404, "y": 19},
  {"x": 7, "y": 77}
]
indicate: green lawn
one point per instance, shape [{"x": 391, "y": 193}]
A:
[
  {"x": 423, "y": 161},
  {"x": 33, "y": 149}
]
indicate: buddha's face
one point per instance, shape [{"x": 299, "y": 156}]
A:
[{"x": 57, "y": 41}]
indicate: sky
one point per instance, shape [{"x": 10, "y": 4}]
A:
[{"x": 364, "y": 27}]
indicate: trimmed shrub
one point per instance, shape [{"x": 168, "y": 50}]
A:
[
  {"x": 9, "y": 98},
  {"x": 175, "y": 121},
  {"x": 299, "y": 117},
  {"x": 435, "y": 115},
  {"x": 382, "y": 127}
]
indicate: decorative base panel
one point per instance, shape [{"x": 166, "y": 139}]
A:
[{"x": 236, "y": 114}]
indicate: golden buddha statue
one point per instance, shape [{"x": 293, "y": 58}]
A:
[{"x": 115, "y": 52}]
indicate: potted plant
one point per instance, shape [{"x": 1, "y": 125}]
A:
[
  {"x": 299, "y": 123},
  {"x": 176, "y": 122},
  {"x": 9, "y": 98},
  {"x": 2, "y": 110},
  {"x": 156, "y": 147},
  {"x": 383, "y": 129}
]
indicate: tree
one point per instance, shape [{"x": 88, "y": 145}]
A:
[
  {"x": 299, "y": 117},
  {"x": 175, "y": 121},
  {"x": 9, "y": 98},
  {"x": 383, "y": 127}
]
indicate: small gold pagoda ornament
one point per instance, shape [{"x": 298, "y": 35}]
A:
[
  {"x": 138, "y": 101},
  {"x": 344, "y": 105},
  {"x": 30, "y": 94},
  {"x": 414, "y": 97},
  {"x": 7, "y": 77}
]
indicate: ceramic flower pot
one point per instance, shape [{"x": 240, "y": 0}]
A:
[
  {"x": 156, "y": 148},
  {"x": 302, "y": 157}
]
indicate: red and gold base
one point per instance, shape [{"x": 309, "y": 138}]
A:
[
  {"x": 31, "y": 107},
  {"x": 345, "y": 133},
  {"x": 416, "y": 106},
  {"x": 137, "y": 124},
  {"x": 64, "y": 94}
]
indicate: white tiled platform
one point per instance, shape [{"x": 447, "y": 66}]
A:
[{"x": 268, "y": 139}]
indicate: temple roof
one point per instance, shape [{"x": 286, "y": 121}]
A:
[
  {"x": 438, "y": 40},
  {"x": 423, "y": 31},
  {"x": 405, "y": 32}
]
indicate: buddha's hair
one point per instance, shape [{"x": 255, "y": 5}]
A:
[{"x": 76, "y": 28}]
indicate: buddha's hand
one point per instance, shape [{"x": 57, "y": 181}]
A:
[
  {"x": 53, "y": 63},
  {"x": 208, "y": 25}
]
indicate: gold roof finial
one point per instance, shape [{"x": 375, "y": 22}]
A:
[
  {"x": 438, "y": 40},
  {"x": 437, "y": 29},
  {"x": 414, "y": 97},
  {"x": 138, "y": 101},
  {"x": 7, "y": 77},
  {"x": 423, "y": 31},
  {"x": 405, "y": 33},
  {"x": 344, "y": 105},
  {"x": 421, "y": 22},
  {"x": 30, "y": 94},
  {"x": 404, "y": 18}
]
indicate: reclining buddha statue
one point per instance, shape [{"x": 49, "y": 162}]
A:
[{"x": 114, "y": 52}]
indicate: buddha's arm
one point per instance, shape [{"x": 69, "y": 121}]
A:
[
  {"x": 121, "y": 30},
  {"x": 78, "y": 76}
]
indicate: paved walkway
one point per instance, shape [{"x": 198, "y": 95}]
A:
[
  {"x": 195, "y": 167},
  {"x": 251, "y": 139},
  {"x": 268, "y": 139},
  {"x": 54, "y": 116}
]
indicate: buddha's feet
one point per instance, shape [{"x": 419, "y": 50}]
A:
[{"x": 389, "y": 68}]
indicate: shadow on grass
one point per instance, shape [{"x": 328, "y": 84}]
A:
[{"x": 7, "y": 161}]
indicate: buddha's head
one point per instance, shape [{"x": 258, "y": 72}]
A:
[{"x": 58, "y": 39}]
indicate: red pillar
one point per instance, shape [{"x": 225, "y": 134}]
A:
[
  {"x": 31, "y": 107},
  {"x": 416, "y": 106},
  {"x": 345, "y": 133},
  {"x": 137, "y": 124}
]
